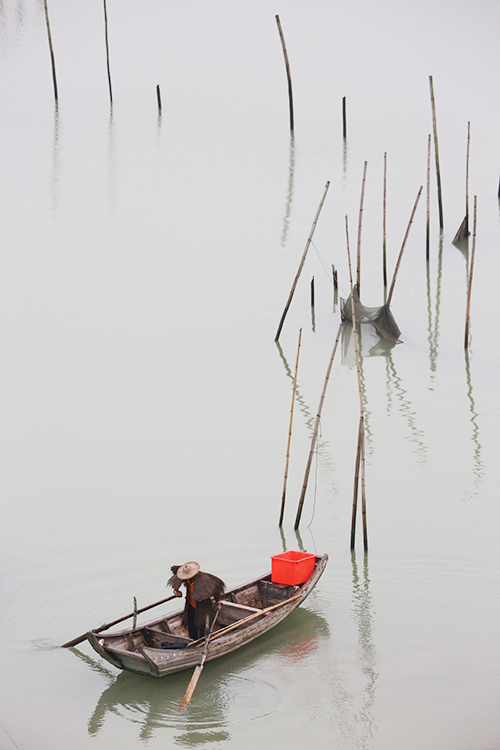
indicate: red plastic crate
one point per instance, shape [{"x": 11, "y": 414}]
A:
[{"x": 292, "y": 568}]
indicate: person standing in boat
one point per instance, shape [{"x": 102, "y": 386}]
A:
[{"x": 203, "y": 592}]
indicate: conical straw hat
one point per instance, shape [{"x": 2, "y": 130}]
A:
[{"x": 188, "y": 570}]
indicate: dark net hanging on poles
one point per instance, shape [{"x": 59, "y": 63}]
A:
[{"x": 381, "y": 318}]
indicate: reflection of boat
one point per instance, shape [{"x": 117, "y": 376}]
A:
[{"x": 161, "y": 646}]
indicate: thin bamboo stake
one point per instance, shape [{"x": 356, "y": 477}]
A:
[
  {"x": 361, "y": 446},
  {"x": 134, "y": 621},
  {"x": 315, "y": 433},
  {"x": 391, "y": 290},
  {"x": 358, "y": 272},
  {"x": 288, "y": 74},
  {"x": 467, "y": 316},
  {"x": 428, "y": 211},
  {"x": 436, "y": 153},
  {"x": 107, "y": 51},
  {"x": 52, "y": 60},
  {"x": 309, "y": 240},
  {"x": 294, "y": 389},
  {"x": 344, "y": 118},
  {"x": 463, "y": 230},
  {"x": 158, "y": 96},
  {"x": 384, "y": 228},
  {"x": 356, "y": 483}
]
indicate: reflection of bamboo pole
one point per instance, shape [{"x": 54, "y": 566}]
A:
[
  {"x": 361, "y": 435},
  {"x": 384, "y": 243},
  {"x": 470, "y": 275},
  {"x": 391, "y": 290},
  {"x": 358, "y": 272},
  {"x": 290, "y": 433},
  {"x": 436, "y": 153},
  {"x": 428, "y": 211},
  {"x": 107, "y": 51},
  {"x": 315, "y": 432},
  {"x": 53, "y": 62},
  {"x": 309, "y": 240},
  {"x": 288, "y": 74}
]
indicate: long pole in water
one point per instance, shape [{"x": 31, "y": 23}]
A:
[
  {"x": 294, "y": 388},
  {"x": 309, "y": 240},
  {"x": 315, "y": 433},
  {"x": 158, "y": 97},
  {"x": 53, "y": 62},
  {"x": 344, "y": 118},
  {"x": 358, "y": 271},
  {"x": 393, "y": 283},
  {"x": 428, "y": 211},
  {"x": 384, "y": 228},
  {"x": 288, "y": 74},
  {"x": 360, "y": 455},
  {"x": 107, "y": 51},
  {"x": 466, "y": 343},
  {"x": 436, "y": 153}
]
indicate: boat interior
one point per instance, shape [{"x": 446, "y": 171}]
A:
[{"x": 237, "y": 604}]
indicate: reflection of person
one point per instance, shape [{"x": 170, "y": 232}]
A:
[{"x": 203, "y": 592}]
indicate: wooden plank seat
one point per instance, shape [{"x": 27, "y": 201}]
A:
[{"x": 232, "y": 612}]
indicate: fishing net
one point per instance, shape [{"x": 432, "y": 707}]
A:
[{"x": 381, "y": 318}]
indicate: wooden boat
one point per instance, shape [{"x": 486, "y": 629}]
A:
[{"x": 162, "y": 646}]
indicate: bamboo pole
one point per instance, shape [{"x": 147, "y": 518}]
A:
[
  {"x": 391, "y": 290},
  {"x": 463, "y": 230},
  {"x": 294, "y": 389},
  {"x": 361, "y": 442},
  {"x": 428, "y": 211},
  {"x": 52, "y": 59},
  {"x": 201, "y": 662},
  {"x": 309, "y": 240},
  {"x": 436, "y": 153},
  {"x": 107, "y": 51},
  {"x": 315, "y": 432},
  {"x": 358, "y": 271},
  {"x": 356, "y": 484},
  {"x": 288, "y": 74},
  {"x": 384, "y": 228},
  {"x": 108, "y": 625},
  {"x": 134, "y": 621},
  {"x": 158, "y": 97},
  {"x": 344, "y": 118},
  {"x": 467, "y": 316}
]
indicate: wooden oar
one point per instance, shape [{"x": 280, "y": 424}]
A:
[
  {"x": 81, "y": 638},
  {"x": 237, "y": 624},
  {"x": 197, "y": 672}
]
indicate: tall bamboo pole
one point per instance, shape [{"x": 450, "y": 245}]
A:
[
  {"x": 52, "y": 60},
  {"x": 294, "y": 388},
  {"x": 358, "y": 272},
  {"x": 384, "y": 228},
  {"x": 391, "y": 290},
  {"x": 288, "y": 74},
  {"x": 309, "y": 240},
  {"x": 466, "y": 343},
  {"x": 158, "y": 97},
  {"x": 107, "y": 51},
  {"x": 436, "y": 153},
  {"x": 315, "y": 432},
  {"x": 344, "y": 118},
  {"x": 361, "y": 433},
  {"x": 428, "y": 207}
]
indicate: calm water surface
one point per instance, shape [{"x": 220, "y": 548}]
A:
[{"x": 144, "y": 265}]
